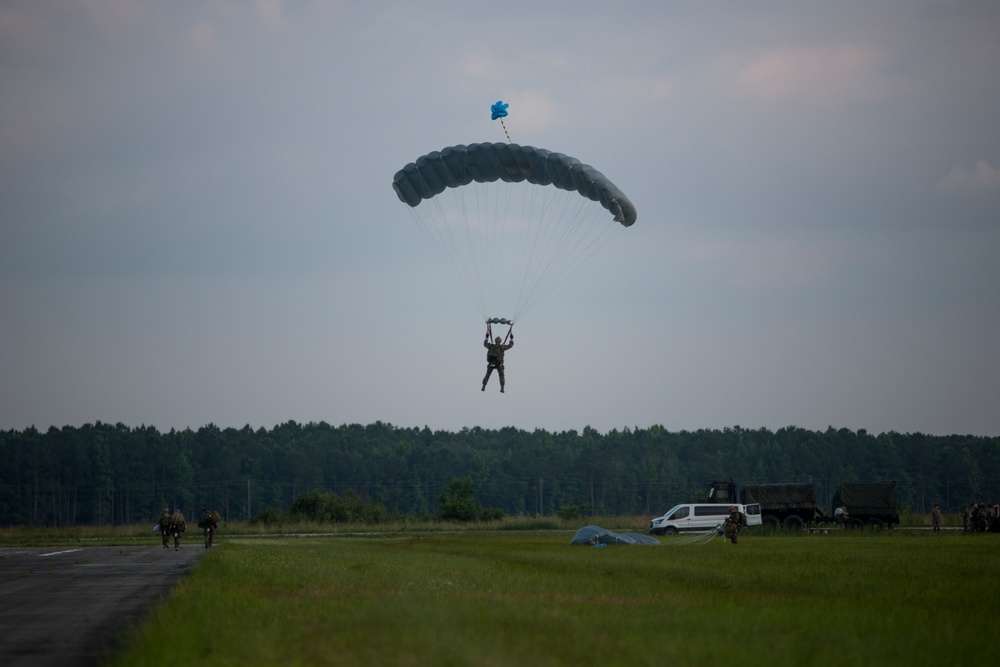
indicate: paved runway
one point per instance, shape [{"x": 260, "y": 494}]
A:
[{"x": 66, "y": 606}]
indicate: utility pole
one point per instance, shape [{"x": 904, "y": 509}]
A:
[{"x": 541, "y": 485}]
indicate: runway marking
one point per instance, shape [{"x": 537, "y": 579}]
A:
[{"x": 56, "y": 553}]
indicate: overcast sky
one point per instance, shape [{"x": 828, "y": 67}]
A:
[{"x": 197, "y": 223}]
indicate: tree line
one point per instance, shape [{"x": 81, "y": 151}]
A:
[{"x": 115, "y": 474}]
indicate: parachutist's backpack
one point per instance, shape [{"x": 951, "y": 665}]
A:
[
  {"x": 209, "y": 519},
  {"x": 493, "y": 355}
]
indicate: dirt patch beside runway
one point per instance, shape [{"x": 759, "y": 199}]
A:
[{"x": 67, "y": 606}]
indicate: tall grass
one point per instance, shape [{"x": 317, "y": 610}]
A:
[{"x": 528, "y": 598}]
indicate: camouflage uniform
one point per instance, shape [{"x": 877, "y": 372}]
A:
[
  {"x": 734, "y": 523},
  {"x": 936, "y": 519},
  {"x": 980, "y": 518},
  {"x": 494, "y": 359},
  {"x": 164, "y": 523},
  {"x": 177, "y": 526},
  {"x": 208, "y": 523}
]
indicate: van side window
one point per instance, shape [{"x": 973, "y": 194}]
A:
[
  {"x": 681, "y": 513},
  {"x": 711, "y": 510}
]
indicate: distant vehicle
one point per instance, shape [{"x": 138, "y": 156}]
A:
[
  {"x": 868, "y": 505},
  {"x": 692, "y": 517},
  {"x": 794, "y": 507}
]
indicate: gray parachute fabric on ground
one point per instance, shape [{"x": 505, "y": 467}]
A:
[{"x": 594, "y": 535}]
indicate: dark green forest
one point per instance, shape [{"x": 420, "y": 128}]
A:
[{"x": 115, "y": 474}]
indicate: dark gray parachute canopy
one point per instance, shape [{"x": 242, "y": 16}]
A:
[{"x": 456, "y": 166}]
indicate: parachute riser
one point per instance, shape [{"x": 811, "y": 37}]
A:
[{"x": 499, "y": 320}]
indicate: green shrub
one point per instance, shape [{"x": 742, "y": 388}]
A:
[
  {"x": 571, "y": 512},
  {"x": 268, "y": 517},
  {"x": 458, "y": 502},
  {"x": 323, "y": 506}
]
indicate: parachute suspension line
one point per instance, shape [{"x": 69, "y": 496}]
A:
[
  {"x": 545, "y": 212},
  {"x": 465, "y": 260},
  {"x": 550, "y": 218},
  {"x": 476, "y": 245},
  {"x": 692, "y": 538},
  {"x": 498, "y": 274},
  {"x": 572, "y": 264},
  {"x": 535, "y": 226},
  {"x": 436, "y": 226},
  {"x": 523, "y": 258},
  {"x": 563, "y": 233},
  {"x": 486, "y": 237}
]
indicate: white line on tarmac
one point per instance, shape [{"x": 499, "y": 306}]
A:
[{"x": 56, "y": 553}]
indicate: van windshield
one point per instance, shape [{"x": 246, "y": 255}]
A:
[{"x": 678, "y": 512}]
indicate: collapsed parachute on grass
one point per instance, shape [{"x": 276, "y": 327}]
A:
[{"x": 595, "y": 535}]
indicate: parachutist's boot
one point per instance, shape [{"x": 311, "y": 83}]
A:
[
  {"x": 484, "y": 387},
  {"x": 501, "y": 389}
]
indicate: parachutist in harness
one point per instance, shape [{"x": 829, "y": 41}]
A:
[{"x": 494, "y": 354}]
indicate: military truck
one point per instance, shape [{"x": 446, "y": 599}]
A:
[
  {"x": 868, "y": 505},
  {"x": 791, "y": 506},
  {"x": 794, "y": 506}
]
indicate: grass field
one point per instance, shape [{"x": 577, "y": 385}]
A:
[{"x": 528, "y": 598}]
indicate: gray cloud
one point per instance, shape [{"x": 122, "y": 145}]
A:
[{"x": 197, "y": 223}]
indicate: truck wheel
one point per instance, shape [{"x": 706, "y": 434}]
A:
[
  {"x": 669, "y": 530},
  {"x": 855, "y": 524},
  {"x": 793, "y": 522},
  {"x": 875, "y": 525},
  {"x": 770, "y": 522}
]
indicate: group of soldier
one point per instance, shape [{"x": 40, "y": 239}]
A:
[
  {"x": 980, "y": 518},
  {"x": 172, "y": 525}
]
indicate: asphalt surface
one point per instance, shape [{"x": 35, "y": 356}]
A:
[{"x": 68, "y": 606}]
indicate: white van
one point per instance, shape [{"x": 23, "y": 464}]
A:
[{"x": 700, "y": 516}]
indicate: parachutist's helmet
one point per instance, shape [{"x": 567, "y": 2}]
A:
[{"x": 498, "y": 340}]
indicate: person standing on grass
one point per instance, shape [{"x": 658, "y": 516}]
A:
[
  {"x": 164, "y": 524},
  {"x": 936, "y": 518},
  {"x": 840, "y": 516},
  {"x": 734, "y": 523},
  {"x": 177, "y": 526},
  {"x": 208, "y": 523}
]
